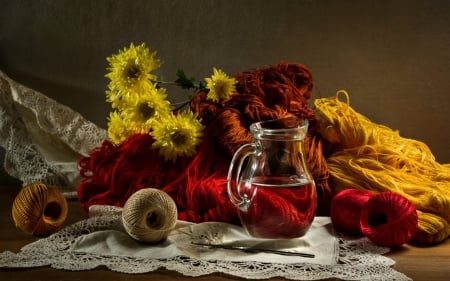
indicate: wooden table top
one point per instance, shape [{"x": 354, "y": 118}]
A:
[{"x": 419, "y": 263}]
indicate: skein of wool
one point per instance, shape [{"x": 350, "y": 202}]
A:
[
  {"x": 149, "y": 215},
  {"x": 268, "y": 93},
  {"x": 370, "y": 156},
  {"x": 345, "y": 211},
  {"x": 389, "y": 219},
  {"x": 39, "y": 209}
]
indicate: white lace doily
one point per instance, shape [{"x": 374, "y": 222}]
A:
[
  {"x": 73, "y": 248},
  {"x": 43, "y": 140}
]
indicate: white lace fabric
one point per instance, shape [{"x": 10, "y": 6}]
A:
[
  {"x": 43, "y": 139},
  {"x": 101, "y": 241}
]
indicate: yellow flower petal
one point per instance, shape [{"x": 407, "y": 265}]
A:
[
  {"x": 220, "y": 86},
  {"x": 177, "y": 135},
  {"x": 130, "y": 70},
  {"x": 144, "y": 110},
  {"x": 118, "y": 130}
]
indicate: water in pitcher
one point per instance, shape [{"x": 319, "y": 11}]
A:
[{"x": 282, "y": 207}]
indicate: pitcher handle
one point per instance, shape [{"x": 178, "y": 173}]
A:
[{"x": 234, "y": 174}]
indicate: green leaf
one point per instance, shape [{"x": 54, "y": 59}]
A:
[{"x": 184, "y": 82}]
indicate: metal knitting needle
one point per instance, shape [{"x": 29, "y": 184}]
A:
[{"x": 254, "y": 250}]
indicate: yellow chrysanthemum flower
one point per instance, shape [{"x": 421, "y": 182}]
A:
[
  {"x": 130, "y": 70},
  {"x": 220, "y": 85},
  {"x": 143, "y": 111},
  {"x": 118, "y": 129},
  {"x": 177, "y": 135},
  {"x": 115, "y": 99}
]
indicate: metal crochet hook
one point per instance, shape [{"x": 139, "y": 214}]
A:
[{"x": 254, "y": 250}]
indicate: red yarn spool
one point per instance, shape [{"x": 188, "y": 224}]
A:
[
  {"x": 389, "y": 219},
  {"x": 346, "y": 209}
]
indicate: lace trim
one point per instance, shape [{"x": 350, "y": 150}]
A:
[
  {"x": 43, "y": 139},
  {"x": 358, "y": 259}
]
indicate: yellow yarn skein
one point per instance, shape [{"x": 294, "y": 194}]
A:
[{"x": 374, "y": 157}]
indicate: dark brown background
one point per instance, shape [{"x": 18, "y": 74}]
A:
[{"x": 393, "y": 57}]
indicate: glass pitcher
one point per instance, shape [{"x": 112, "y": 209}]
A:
[{"x": 269, "y": 183}]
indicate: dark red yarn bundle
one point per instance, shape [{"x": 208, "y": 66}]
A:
[
  {"x": 111, "y": 174},
  {"x": 345, "y": 211},
  {"x": 387, "y": 219},
  {"x": 197, "y": 185}
]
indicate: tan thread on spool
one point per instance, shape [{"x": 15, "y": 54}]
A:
[
  {"x": 39, "y": 209},
  {"x": 149, "y": 215}
]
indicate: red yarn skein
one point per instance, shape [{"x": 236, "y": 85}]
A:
[
  {"x": 345, "y": 210},
  {"x": 389, "y": 219}
]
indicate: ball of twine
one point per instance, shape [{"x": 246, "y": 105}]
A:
[
  {"x": 389, "y": 219},
  {"x": 345, "y": 210},
  {"x": 39, "y": 209},
  {"x": 149, "y": 215}
]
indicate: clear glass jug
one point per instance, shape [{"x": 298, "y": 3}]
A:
[{"x": 269, "y": 183}]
